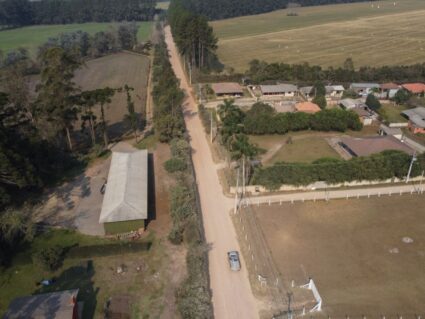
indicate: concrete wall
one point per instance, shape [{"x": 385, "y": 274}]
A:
[{"x": 258, "y": 190}]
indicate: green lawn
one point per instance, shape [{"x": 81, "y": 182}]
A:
[
  {"x": 95, "y": 275},
  {"x": 392, "y": 113},
  {"x": 34, "y": 36},
  {"x": 305, "y": 150}
]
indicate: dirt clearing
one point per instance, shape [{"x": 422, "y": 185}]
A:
[{"x": 366, "y": 256}]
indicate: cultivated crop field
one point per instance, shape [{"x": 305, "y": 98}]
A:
[
  {"x": 327, "y": 35},
  {"x": 32, "y": 37},
  {"x": 115, "y": 71},
  {"x": 366, "y": 256}
]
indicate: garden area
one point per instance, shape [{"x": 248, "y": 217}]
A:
[{"x": 96, "y": 266}]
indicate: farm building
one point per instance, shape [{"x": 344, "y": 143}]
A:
[
  {"x": 231, "y": 89},
  {"x": 55, "y": 305},
  {"x": 372, "y": 145},
  {"x": 391, "y": 131},
  {"x": 416, "y": 119},
  {"x": 388, "y": 90},
  {"x": 365, "y": 114},
  {"x": 364, "y": 88},
  {"x": 332, "y": 91},
  {"x": 287, "y": 90},
  {"x": 126, "y": 195},
  {"x": 415, "y": 88},
  {"x": 349, "y": 104},
  {"x": 307, "y": 107}
]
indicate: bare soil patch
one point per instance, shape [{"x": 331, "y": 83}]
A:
[{"x": 355, "y": 250}]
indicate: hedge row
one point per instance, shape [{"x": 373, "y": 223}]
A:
[
  {"x": 381, "y": 166},
  {"x": 263, "y": 120}
]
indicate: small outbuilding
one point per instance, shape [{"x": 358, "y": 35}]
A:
[
  {"x": 349, "y": 104},
  {"x": 366, "y": 116},
  {"x": 227, "y": 89},
  {"x": 55, "y": 305},
  {"x": 125, "y": 203},
  {"x": 392, "y": 131},
  {"x": 364, "y": 88},
  {"x": 287, "y": 90},
  {"x": 307, "y": 107},
  {"x": 388, "y": 90},
  {"x": 416, "y": 119}
]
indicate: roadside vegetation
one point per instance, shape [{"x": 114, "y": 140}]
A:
[{"x": 193, "y": 296}]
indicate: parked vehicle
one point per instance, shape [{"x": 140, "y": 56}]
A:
[{"x": 234, "y": 261}]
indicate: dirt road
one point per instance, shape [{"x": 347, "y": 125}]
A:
[{"x": 232, "y": 296}]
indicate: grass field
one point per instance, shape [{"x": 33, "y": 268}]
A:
[
  {"x": 353, "y": 249},
  {"x": 96, "y": 277},
  {"x": 392, "y": 113},
  {"x": 327, "y": 35},
  {"x": 115, "y": 71},
  {"x": 32, "y": 37}
]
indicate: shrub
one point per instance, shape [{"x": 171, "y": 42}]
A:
[
  {"x": 175, "y": 165},
  {"x": 50, "y": 259},
  {"x": 372, "y": 102}
]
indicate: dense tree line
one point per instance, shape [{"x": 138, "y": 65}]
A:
[
  {"x": 381, "y": 166},
  {"x": 15, "y": 13},
  {"x": 193, "y": 36},
  {"x": 222, "y": 9},
  {"x": 261, "y": 71},
  {"x": 167, "y": 96}
]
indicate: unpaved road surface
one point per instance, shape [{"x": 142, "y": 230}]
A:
[{"x": 231, "y": 291}]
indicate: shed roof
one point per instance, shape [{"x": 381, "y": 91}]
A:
[
  {"x": 415, "y": 88},
  {"x": 307, "y": 107},
  {"x": 375, "y": 144},
  {"x": 335, "y": 88},
  {"x": 306, "y": 89},
  {"x": 126, "y": 195},
  {"x": 364, "y": 85},
  {"x": 278, "y": 88},
  {"x": 416, "y": 116},
  {"x": 362, "y": 111},
  {"x": 55, "y": 305},
  {"x": 389, "y": 86},
  {"x": 352, "y": 103},
  {"x": 391, "y": 130},
  {"x": 227, "y": 88}
]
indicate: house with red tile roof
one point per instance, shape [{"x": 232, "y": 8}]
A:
[{"x": 415, "y": 88}]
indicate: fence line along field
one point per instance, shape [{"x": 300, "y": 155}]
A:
[
  {"x": 32, "y": 37},
  {"x": 375, "y": 34},
  {"x": 366, "y": 256},
  {"x": 115, "y": 71}
]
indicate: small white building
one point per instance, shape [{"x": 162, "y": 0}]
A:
[{"x": 349, "y": 104}]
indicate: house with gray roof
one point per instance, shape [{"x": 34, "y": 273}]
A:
[
  {"x": 126, "y": 195},
  {"x": 287, "y": 90},
  {"x": 332, "y": 91},
  {"x": 54, "y": 305},
  {"x": 364, "y": 89},
  {"x": 416, "y": 119}
]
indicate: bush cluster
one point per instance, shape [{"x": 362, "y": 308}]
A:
[
  {"x": 385, "y": 165},
  {"x": 262, "y": 119}
]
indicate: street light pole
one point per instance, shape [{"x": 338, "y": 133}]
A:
[{"x": 410, "y": 167}]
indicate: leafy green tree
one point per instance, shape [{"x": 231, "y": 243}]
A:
[
  {"x": 50, "y": 259},
  {"x": 402, "y": 96},
  {"x": 319, "y": 89},
  {"x": 175, "y": 164},
  {"x": 349, "y": 94},
  {"x": 242, "y": 148},
  {"x": 320, "y": 100},
  {"x": 372, "y": 102},
  {"x": 56, "y": 92},
  {"x": 127, "y": 35},
  {"x": 131, "y": 116}
]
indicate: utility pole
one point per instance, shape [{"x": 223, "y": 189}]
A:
[
  {"x": 190, "y": 73},
  {"x": 243, "y": 176},
  {"x": 410, "y": 167},
  {"x": 211, "y": 126},
  {"x": 235, "y": 209}
]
